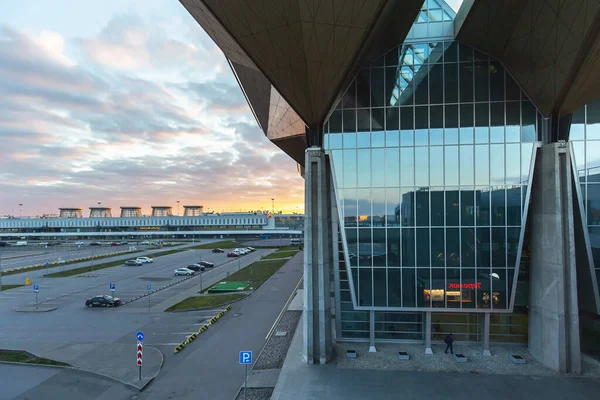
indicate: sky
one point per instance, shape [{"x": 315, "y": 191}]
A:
[{"x": 127, "y": 103}]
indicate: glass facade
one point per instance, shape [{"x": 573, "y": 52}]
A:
[
  {"x": 431, "y": 148},
  {"x": 585, "y": 141}
]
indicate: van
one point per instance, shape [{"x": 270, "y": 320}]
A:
[{"x": 21, "y": 243}]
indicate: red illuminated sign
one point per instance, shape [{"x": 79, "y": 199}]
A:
[{"x": 464, "y": 285}]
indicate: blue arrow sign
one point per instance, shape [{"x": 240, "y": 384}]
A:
[
  {"x": 245, "y": 357},
  {"x": 140, "y": 336},
  {"x": 47, "y": 263},
  {"x": 148, "y": 287},
  {"x": 36, "y": 288},
  {"x": 112, "y": 287}
]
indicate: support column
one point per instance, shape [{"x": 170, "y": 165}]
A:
[
  {"x": 317, "y": 347},
  {"x": 372, "y": 348},
  {"x": 486, "y": 334},
  {"x": 553, "y": 308},
  {"x": 428, "y": 333}
]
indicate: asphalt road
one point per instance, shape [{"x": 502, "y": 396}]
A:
[
  {"x": 33, "y": 383},
  {"x": 208, "y": 368}
]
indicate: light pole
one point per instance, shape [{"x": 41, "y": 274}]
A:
[
  {"x": 20, "y": 210},
  {"x": 273, "y": 205},
  {"x": 0, "y": 271},
  {"x": 178, "y": 208}
]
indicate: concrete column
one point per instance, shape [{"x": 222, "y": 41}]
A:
[
  {"x": 553, "y": 309},
  {"x": 486, "y": 334},
  {"x": 372, "y": 348},
  {"x": 428, "y": 333},
  {"x": 317, "y": 347}
]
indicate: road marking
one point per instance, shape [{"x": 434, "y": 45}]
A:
[
  {"x": 162, "y": 344},
  {"x": 176, "y": 333},
  {"x": 285, "y": 306}
]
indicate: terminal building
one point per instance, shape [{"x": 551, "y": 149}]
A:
[
  {"x": 162, "y": 224},
  {"x": 451, "y": 163}
]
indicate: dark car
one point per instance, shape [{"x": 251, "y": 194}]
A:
[
  {"x": 195, "y": 267},
  {"x": 103, "y": 301},
  {"x": 206, "y": 264},
  {"x": 115, "y": 244},
  {"x": 94, "y": 244},
  {"x": 232, "y": 254},
  {"x": 218, "y": 251},
  {"x": 134, "y": 263}
]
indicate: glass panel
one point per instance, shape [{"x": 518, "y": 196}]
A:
[
  {"x": 496, "y": 81},
  {"x": 408, "y": 207},
  {"x": 498, "y": 211},
  {"x": 349, "y": 121},
  {"x": 593, "y": 204},
  {"x": 466, "y": 165},
  {"x": 365, "y": 287},
  {"x": 352, "y": 241},
  {"x": 349, "y": 140},
  {"x": 512, "y": 89},
  {"x": 436, "y": 173},
  {"x": 421, "y": 166},
  {"x": 467, "y": 250},
  {"x": 378, "y": 167},
  {"x": 423, "y": 287},
  {"x": 377, "y": 87},
  {"x": 481, "y": 81},
  {"x": 437, "y": 206},
  {"x": 482, "y": 202},
  {"x": 512, "y": 245},
  {"x": 364, "y": 207},
  {"x": 393, "y": 207},
  {"x": 364, "y": 168},
  {"x": 394, "y": 287},
  {"x": 392, "y": 167},
  {"x": 467, "y": 208},
  {"x": 349, "y": 168},
  {"x": 363, "y": 140},
  {"x": 452, "y": 247},
  {"x": 577, "y": 131},
  {"x": 497, "y": 160},
  {"x": 407, "y": 167},
  {"x": 436, "y": 84},
  {"x": 392, "y": 139},
  {"x": 377, "y": 119},
  {"x": 350, "y": 210},
  {"x": 380, "y": 287},
  {"x": 349, "y": 99},
  {"x": 466, "y": 82},
  {"x": 437, "y": 247},
  {"x": 482, "y": 161},
  {"x": 513, "y": 122},
  {"x": 421, "y": 124},
  {"x": 451, "y": 165},
  {"x": 408, "y": 247},
  {"x": 364, "y": 120},
  {"x": 529, "y": 117},
  {"x": 392, "y": 119},
  {"x": 513, "y": 206},
  {"x": 450, "y": 52},
  {"x": 393, "y": 246},
  {"x": 363, "y": 96},
  {"x": 513, "y": 163},
  {"x": 593, "y": 121},
  {"x": 422, "y": 199},
  {"x": 409, "y": 289},
  {"x": 452, "y": 206},
  {"x": 450, "y": 82},
  {"x": 526, "y": 153}
]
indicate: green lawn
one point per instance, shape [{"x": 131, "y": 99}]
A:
[
  {"x": 7, "y": 287},
  {"x": 224, "y": 244},
  {"x": 25, "y": 357},
  {"x": 255, "y": 273},
  {"x": 206, "y": 301},
  {"x": 281, "y": 254}
]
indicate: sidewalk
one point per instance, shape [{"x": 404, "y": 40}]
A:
[{"x": 113, "y": 360}]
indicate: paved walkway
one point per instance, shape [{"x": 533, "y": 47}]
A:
[
  {"x": 114, "y": 360},
  {"x": 300, "y": 381}
]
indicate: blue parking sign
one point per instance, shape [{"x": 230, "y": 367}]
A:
[
  {"x": 112, "y": 287},
  {"x": 245, "y": 357},
  {"x": 148, "y": 287},
  {"x": 36, "y": 288}
]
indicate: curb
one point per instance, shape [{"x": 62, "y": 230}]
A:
[
  {"x": 208, "y": 308},
  {"x": 201, "y": 330}
]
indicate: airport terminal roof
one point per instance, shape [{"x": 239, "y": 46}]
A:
[{"x": 294, "y": 58}]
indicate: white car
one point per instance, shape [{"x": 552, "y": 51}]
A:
[
  {"x": 183, "y": 271},
  {"x": 144, "y": 260}
]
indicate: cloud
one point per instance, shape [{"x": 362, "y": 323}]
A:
[{"x": 131, "y": 116}]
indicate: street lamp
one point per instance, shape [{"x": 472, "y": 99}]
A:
[
  {"x": 20, "y": 210},
  {"x": 273, "y": 205},
  {"x": 178, "y": 208}
]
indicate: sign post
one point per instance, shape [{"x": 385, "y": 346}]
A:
[
  {"x": 113, "y": 289},
  {"x": 36, "y": 289},
  {"x": 140, "y": 347},
  {"x": 245, "y": 359},
  {"x": 148, "y": 288}
]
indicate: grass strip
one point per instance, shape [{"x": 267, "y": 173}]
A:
[
  {"x": 206, "y": 301},
  {"x": 255, "y": 273},
  {"x": 8, "y": 287},
  {"x": 224, "y": 244},
  {"x": 25, "y": 357},
  {"x": 281, "y": 254}
]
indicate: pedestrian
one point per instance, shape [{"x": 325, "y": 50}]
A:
[{"x": 449, "y": 341}]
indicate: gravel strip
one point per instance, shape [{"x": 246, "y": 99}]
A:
[
  {"x": 276, "y": 349},
  {"x": 256, "y": 394}
]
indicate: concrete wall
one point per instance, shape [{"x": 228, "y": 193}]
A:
[{"x": 553, "y": 311}]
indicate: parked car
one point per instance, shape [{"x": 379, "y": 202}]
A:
[
  {"x": 195, "y": 267},
  {"x": 123, "y": 243},
  {"x": 145, "y": 260},
  {"x": 103, "y": 301},
  {"x": 206, "y": 264},
  {"x": 183, "y": 271},
  {"x": 95, "y": 244},
  {"x": 218, "y": 251},
  {"x": 78, "y": 243},
  {"x": 251, "y": 248},
  {"x": 134, "y": 263},
  {"x": 115, "y": 244},
  {"x": 233, "y": 254}
]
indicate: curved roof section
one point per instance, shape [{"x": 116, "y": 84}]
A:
[{"x": 551, "y": 47}]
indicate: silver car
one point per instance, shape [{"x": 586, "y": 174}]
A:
[{"x": 183, "y": 271}]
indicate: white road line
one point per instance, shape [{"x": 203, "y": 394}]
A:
[
  {"x": 176, "y": 333},
  {"x": 162, "y": 344}
]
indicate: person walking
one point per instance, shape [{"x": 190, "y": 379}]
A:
[{"x": 449, "y": 342}]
